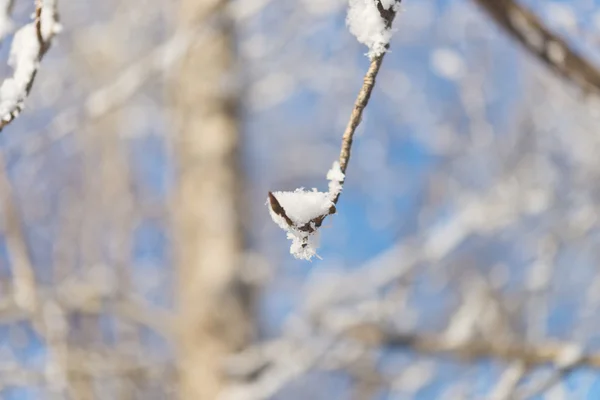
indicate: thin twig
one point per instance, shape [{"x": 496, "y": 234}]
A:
[
  {"x": 363, "y": 98},
  {"x": 359, "y": 106},
  {"x": 387, "y": 14},
  {"x": 38, "y": 25}
]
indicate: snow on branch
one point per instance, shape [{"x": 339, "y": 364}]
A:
[
  {"x": 301, "y": 213},
  {"x": 28, "y": 47},
  {"x": 370, "y": 21}
]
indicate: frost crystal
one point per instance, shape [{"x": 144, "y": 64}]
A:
[{"x": 368, "y": 26}]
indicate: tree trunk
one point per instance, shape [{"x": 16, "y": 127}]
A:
[{"x": 213, "y": 314}]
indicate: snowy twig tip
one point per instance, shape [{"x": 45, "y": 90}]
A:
[
  {"x": 370, "y": 21},
  {"x": 301, "y": 213}
]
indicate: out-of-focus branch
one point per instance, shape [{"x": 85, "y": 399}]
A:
[
  {"x": 24, "y": 292},
  {"x": 506, "y": 385},
  {"x": 6, "y": 24},
  {"x": 55, "y": 329},
  {"x": 127, "y": 83},
  {"x": 29, "y": 45},
  {"x": 114, "y": 94},
  {"x": 359, "y": 106},
  {"x": 530, "y": 31},
  {"x": 268, "y": 368},
  {"x": 543, "y": 385},
  {"x": 561, "y": 355}
]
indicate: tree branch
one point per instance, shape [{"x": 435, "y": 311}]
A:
[
  {"x": 561, "y": 354},
  {"x": 24, "y": 285},
  {"x": 537, "y": 39}
]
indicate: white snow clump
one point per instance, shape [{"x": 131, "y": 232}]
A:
[
  {"x": 301, "y": 212},
  {"x": 368, "y": 26},
  {"x": 24, "y": 58}
]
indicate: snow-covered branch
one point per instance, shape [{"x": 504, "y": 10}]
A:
[
  {"x": 300, "y": 213},
  {"x": 370, "y": 21},
  {"x": 29, "y": 45}
]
